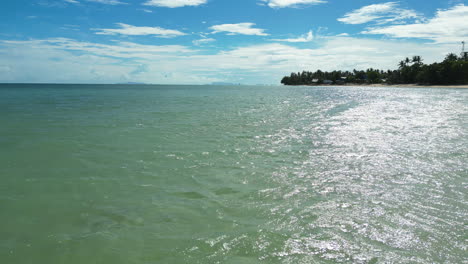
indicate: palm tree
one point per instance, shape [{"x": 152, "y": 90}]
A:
[
  {"x": 451, "y": 57},
  {"x": 417, "y": 59},
  {"x": 402, "y": 64}
]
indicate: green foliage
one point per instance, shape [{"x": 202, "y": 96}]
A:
[{"x": 453, "y": 70}]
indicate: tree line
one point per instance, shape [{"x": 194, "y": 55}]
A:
[{"x": 452, "y": 70}]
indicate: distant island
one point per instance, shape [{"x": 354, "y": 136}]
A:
[{"x": 453, "y": 70}]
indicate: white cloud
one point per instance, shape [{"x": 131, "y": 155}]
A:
[
  {"x": 291, "y": 3},
  {"x": 240, "y": 28},
  {"x": 119, "y": 50},
  {"x": 64, "y": 60},
  {"x": 449, "y": 25},
  {"x": 126, "y": 29},
  {"x": 175, "y": 3},
  {"x": 203, "y": 41},
  {"x": 380, "y": 13},
  {"x": 105, "y": 2},
  {"x": 308, "y": 37},
  {"x": 71, "y": 61}
]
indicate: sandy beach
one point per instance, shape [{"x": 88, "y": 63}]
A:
[
  {"x": 465, "y": 86},
  {"x": 415, "y": 86}
]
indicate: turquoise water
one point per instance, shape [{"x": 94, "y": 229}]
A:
[{"x": 207, "y": 174}]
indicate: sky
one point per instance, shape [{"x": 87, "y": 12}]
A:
[{"x": 209, "y": 41}]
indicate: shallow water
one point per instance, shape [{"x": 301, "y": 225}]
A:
[{"x": 208, "y": 174}]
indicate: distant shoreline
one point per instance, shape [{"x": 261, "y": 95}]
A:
[{"x": 464, "y": 86}]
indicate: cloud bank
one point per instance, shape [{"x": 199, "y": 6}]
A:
[{"x": 70, "y": 61}]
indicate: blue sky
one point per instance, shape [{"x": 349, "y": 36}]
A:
[{"x": 204, "y": 41}]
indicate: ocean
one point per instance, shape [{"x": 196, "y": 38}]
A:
[{"x": 150, "y": 174}]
